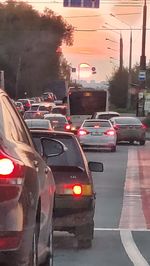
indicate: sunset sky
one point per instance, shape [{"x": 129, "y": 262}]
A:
[{"x": 91, "y": 47}]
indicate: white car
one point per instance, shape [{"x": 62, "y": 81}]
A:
[
  {"x": 97, "y": 133},
  {"x": 105, "y": 115}
]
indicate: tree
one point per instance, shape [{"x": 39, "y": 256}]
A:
[
  {"x": 118, "y": 87},
  {"x": 28, "y": 44}
]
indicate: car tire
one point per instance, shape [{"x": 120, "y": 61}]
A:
[
  {"x": 142, "y": 142},
  {"x": 84, "y": 234},
  {"x": 113, "y": 149}
]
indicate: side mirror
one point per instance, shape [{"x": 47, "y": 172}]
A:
[
  {"x": 52, "y": 147},
  {"x": 96, "y": 167}
]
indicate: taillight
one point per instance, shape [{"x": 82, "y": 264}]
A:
[
  {"x": 144, "y": 126},
  {"x": 27, "y": 104},
  {"x": 74, "y": 189},
  {"x": 116, "y": 127},
  {"x": 12, "y": 241},
  {"x": 110, "y": 132},
  {"x": 67, "y": 127},
  {"x": 82, "y": 132},
  {"x": 11, "y": 170},
  {"x": 77, "y": 190}
]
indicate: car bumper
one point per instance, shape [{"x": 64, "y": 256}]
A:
[
  {"x": 70, "y": 212},
  {"x": 97, "y": 142}
]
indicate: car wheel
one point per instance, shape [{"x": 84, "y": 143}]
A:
[
  {"x": 84, "y": 234},
  {"x": 142, "y": 142},
  {"x": 113, "y": 149},
  {"x": 33, "y": 261}
]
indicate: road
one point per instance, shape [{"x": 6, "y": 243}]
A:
[{"x": 122, "y": 217}]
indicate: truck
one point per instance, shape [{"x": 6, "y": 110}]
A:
[{"x": 83, "y": 103}]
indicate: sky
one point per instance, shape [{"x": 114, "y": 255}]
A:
[{"x": 91, "y": 47}]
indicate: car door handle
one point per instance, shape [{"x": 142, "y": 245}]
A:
[{"x": 36, "y": 163}]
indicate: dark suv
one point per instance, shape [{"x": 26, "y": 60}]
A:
[
  {"x": 75, "y": 196},
  {"x": 27, "y": 191}
]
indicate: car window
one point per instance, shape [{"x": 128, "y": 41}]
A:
[
  {"x": 71, "y": 157},
  {"x": 105, "y": 116},
  {"x": 128, "y": 121},
  {"x": 96, "y": 123},
  {"x": 59, "y": 111},
  {"x": 34, "y": 107},
  {"x": 43, "y": 108},
  {"x": 12, "y": 123},
  {"x": 57, "y": 120}
]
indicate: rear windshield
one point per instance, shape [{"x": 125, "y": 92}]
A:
[
  {"x": 59, "y": 111},
  {"x": 71, "y": 157},
  {"x": 34, "y": 107},
  {"x": 23, "y": 101},
  {"x": 57, "y": 120},
  {"x": 106, "y": 116},
  {"x": 29, "y": 115},
  {"x": 37, "y": 124},
  {"x": 96, "y": 123},
  {"x": 128, "y": 121}
]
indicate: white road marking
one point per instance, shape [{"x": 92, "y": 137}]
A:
[
  {"x": 120, "y": 229},
  {"x": 131, "y": 249}
]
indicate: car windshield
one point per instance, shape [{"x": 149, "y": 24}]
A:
[
  {"x": 128, "y": 121},
  {"x": 96, "y": 124}
]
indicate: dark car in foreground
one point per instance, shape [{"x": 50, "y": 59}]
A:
[
  {"x": 27, "y": 191},
  {"x": 129, "y": 129},
  {"x": 75, "y": 194}
]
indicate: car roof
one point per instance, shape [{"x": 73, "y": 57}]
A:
[
  {"x": 96, "y": 120},
  {"x": 54, "y": 115},
  {"x": 109, "y": 112}
]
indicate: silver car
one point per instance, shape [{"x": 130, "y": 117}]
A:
[
  {"x": 129, "y": 129},
  {"x": 97, "y": 133}
]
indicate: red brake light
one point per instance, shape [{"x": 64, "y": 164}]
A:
[
  {"x": 67, "y": 127},
  {"x": 144, "y": 126},
  {"x": 11, "y": 170},
  {"x": 110, "y": 132},
  {"x": 82, "y": 132},
  {"x": 77, "y": 190}
]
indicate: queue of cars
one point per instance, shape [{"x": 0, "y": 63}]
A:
[{"x": 46, "y": 182}]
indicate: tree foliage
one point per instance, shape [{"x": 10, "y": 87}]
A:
[
  {"x": 118, "y": 87},
  {"x": 28, "y": 45}
]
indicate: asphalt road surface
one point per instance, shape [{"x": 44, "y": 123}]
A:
[{"x": 122, "y": 217}]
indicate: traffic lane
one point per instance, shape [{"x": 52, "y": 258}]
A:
[
  {"x": 109, "y": 186},
  {"x": 107, "y": 250}
]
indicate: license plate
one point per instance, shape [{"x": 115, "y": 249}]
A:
[{"x": 96, "y": 134}]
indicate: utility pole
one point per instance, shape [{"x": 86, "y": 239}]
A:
[
  {"x": 121, "y": 53},
  {"x": 142, "y": 83},
  {"x": 130, "y": 76}
]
